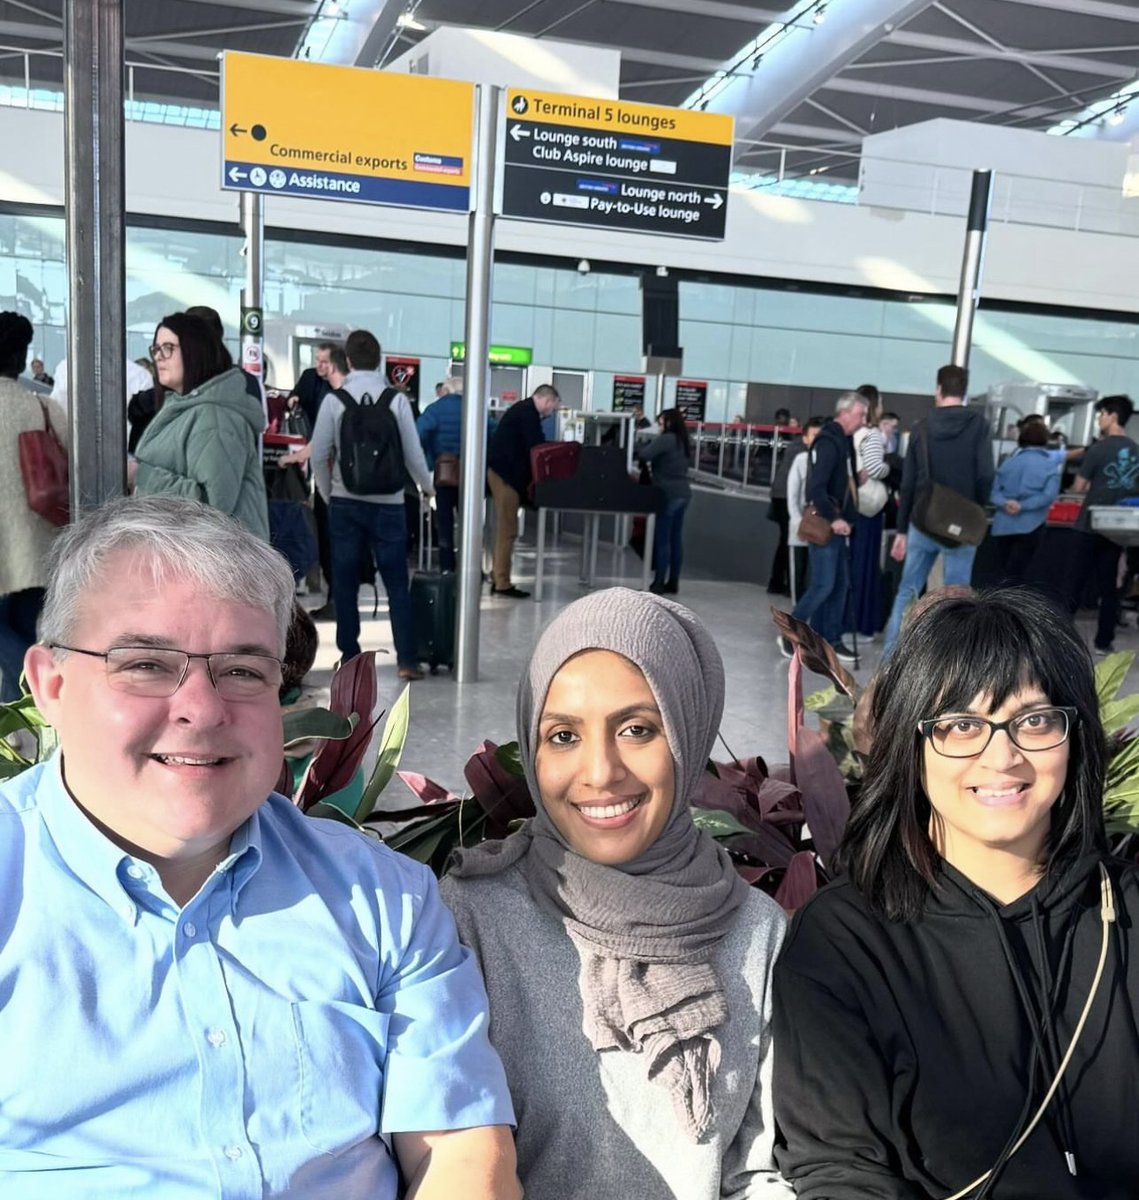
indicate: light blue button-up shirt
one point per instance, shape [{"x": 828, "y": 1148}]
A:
[{"x": 263, "y": 1041}]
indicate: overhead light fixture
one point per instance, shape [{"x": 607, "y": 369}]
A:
[
  {"x": 1117, "y": 117},
  {"x": 662, "y": 272},
  {"x": 332, "y": 8},
  {"x": 820, "y": 14},
  {"x": 407, "y": 20}
]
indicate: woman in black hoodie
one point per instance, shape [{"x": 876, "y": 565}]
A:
[{"x": 957, "y": 1017}]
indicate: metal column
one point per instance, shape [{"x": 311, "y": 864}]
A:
[
  {"x": 476, "y": 384},
  {"x": 252, "y": 318},
  {"x": 969, "y": 291},
  {"x": 94, "y": 205}
]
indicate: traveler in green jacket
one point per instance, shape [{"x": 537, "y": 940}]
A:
[{"x": 204, "y": 441}]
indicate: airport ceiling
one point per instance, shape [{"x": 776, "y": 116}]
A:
[{"x": 840, "y": 70}]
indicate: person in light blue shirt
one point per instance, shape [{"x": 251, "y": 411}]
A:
[
  {"x": 1026, "y": 485},
  {"x": 203, "y": 992}
]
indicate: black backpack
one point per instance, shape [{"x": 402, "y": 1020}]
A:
[{"x": 370, "y": 455}]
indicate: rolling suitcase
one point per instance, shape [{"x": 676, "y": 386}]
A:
[{"x": 433, "y": 618}]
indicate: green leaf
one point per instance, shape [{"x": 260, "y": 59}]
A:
[
  {"x": 1110, "y": 673},
  {"x": 311, "y": 723},
  {"x": 9, "y": 769},
  {"x": 391, "y": 750},
  {"x": 821, "y": 699},
  {"x": 718, "y": 823},
  {"x": 841, "y": 712},
  {"x": 1124, "y": 764},
  {"x": 1118, "y": 714},
  {"x": 332, "y": 813},
  {"x": 509, "y": 756}
]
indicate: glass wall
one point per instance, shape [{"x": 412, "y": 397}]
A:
[{"x": 731, "y": 333}]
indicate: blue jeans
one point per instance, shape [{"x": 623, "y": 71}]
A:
[
  {"x": 667, "y": 550},
  {"x": 823, "y": 604},
  {"x": 921, "y": 554},
  {"x": 446, "y": 501},
  {"x": 19, "y": 612},
  {"x": 352, "y": 526}
]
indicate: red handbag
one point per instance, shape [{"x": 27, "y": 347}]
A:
[{"x": 43, "y": 464}]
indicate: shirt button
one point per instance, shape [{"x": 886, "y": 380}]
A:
[
  {"x": 233, "y": 1153},
  {"x": 135, "y": 871},
  {"x": 128, "y": 912},
  {"x": 216, "y": 1037},
  {"x": 190, "y": 929}
]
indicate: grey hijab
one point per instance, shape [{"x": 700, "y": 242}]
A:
[{"x": 646, "y": 930}]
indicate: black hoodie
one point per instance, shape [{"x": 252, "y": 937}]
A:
[
  {"x": 960, "y": 457},
  {"x": 905, "y": 1057}
]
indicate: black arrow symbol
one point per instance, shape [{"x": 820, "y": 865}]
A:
[{"x": 235, "y": 129}]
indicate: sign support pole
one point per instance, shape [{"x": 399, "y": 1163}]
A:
[
  {"x": 972, "y": 264},
  {"x": 476, "y": 385},
  {"x": 252, "y": 322},
  {"x": 94, "y": 203}
]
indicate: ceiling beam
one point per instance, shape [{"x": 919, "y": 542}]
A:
[
  {"x": 289, "y": 8},
  {"x": 717, "y": 10},
  {"x": 790, "y": 70},
  {"x": 967, "y": 49},
  {"x": 1086, "y": 8},
  {"x": 816, "y": 133},
  {"x": 662, "y": 58},
  {"x": 911, "y": 95}
]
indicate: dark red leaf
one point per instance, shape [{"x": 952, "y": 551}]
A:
[
  {"x": 768, "y": 846},
  {"x": 335, "y": 763},
  {"x": 776, "y": 796},
  {"x": 817, "y": 653},
  {"x": 503, "y": 796},
  {"x": 800, "y": 882},
  {"x": 826, "y": 804},
  {"x": 426, "y": 789}
]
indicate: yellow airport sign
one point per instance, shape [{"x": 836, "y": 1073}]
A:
[
  {"x": 619, "y": 116},
  {"x": 613, "y": 165},
  {"x": 297, "y": 128}
]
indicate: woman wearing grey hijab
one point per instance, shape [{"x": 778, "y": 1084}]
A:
[{"x": 628, "y": 966}]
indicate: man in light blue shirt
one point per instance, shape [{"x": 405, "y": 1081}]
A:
[{"x": 204, "y": 993}]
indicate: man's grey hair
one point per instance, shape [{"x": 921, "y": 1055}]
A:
[
  {"x": 173, "y": 538},
  {"x": 848, "y": 400},
  {"x": 452, "y": 385}
]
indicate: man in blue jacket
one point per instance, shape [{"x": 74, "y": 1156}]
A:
[
  {"x": 440, "y": 430},
  {"x": 832, "y": 478}
]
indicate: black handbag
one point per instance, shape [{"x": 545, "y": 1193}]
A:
[{"x": 943, "y": 514}]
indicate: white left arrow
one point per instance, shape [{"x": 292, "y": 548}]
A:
[
  {"x": 236, "y": 176},
  {"x": 516, "y": 132},
  {"x": 716, "y": 200}
]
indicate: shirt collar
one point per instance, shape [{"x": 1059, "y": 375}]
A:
[{"x": 98, "y": 862}]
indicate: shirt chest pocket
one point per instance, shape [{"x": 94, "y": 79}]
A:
[{"x": 340, "y": 1049}]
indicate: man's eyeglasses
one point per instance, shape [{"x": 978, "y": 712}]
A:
[
  {"x": 158, "y": 673},
  {"x": 161, "y": 350},
  {"x": 966, "y": 737}
]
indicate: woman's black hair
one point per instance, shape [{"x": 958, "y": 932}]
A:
[
  {"x": 990, "y": 643},
  {"x": 15, "y": 338},
  {"x": 204, "y": 354},
  {"x": 673, "y": 421}
]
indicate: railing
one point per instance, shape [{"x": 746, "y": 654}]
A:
[{"x": 738, "y": 456}]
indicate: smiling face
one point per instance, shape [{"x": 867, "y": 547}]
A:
[
  {"x": 604, "y": 767},
  {"x": 999, "y": 802},
  {"x": 125, "y": 756},
  {"x": 323, "y": 363}
]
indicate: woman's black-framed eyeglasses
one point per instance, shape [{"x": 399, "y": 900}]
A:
[{"x": 968, "y": 736}]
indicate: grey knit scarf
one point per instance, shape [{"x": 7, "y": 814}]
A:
[{"x": 646, "y": 929}]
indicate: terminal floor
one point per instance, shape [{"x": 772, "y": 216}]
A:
[{"x": 448, "y": 720}]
